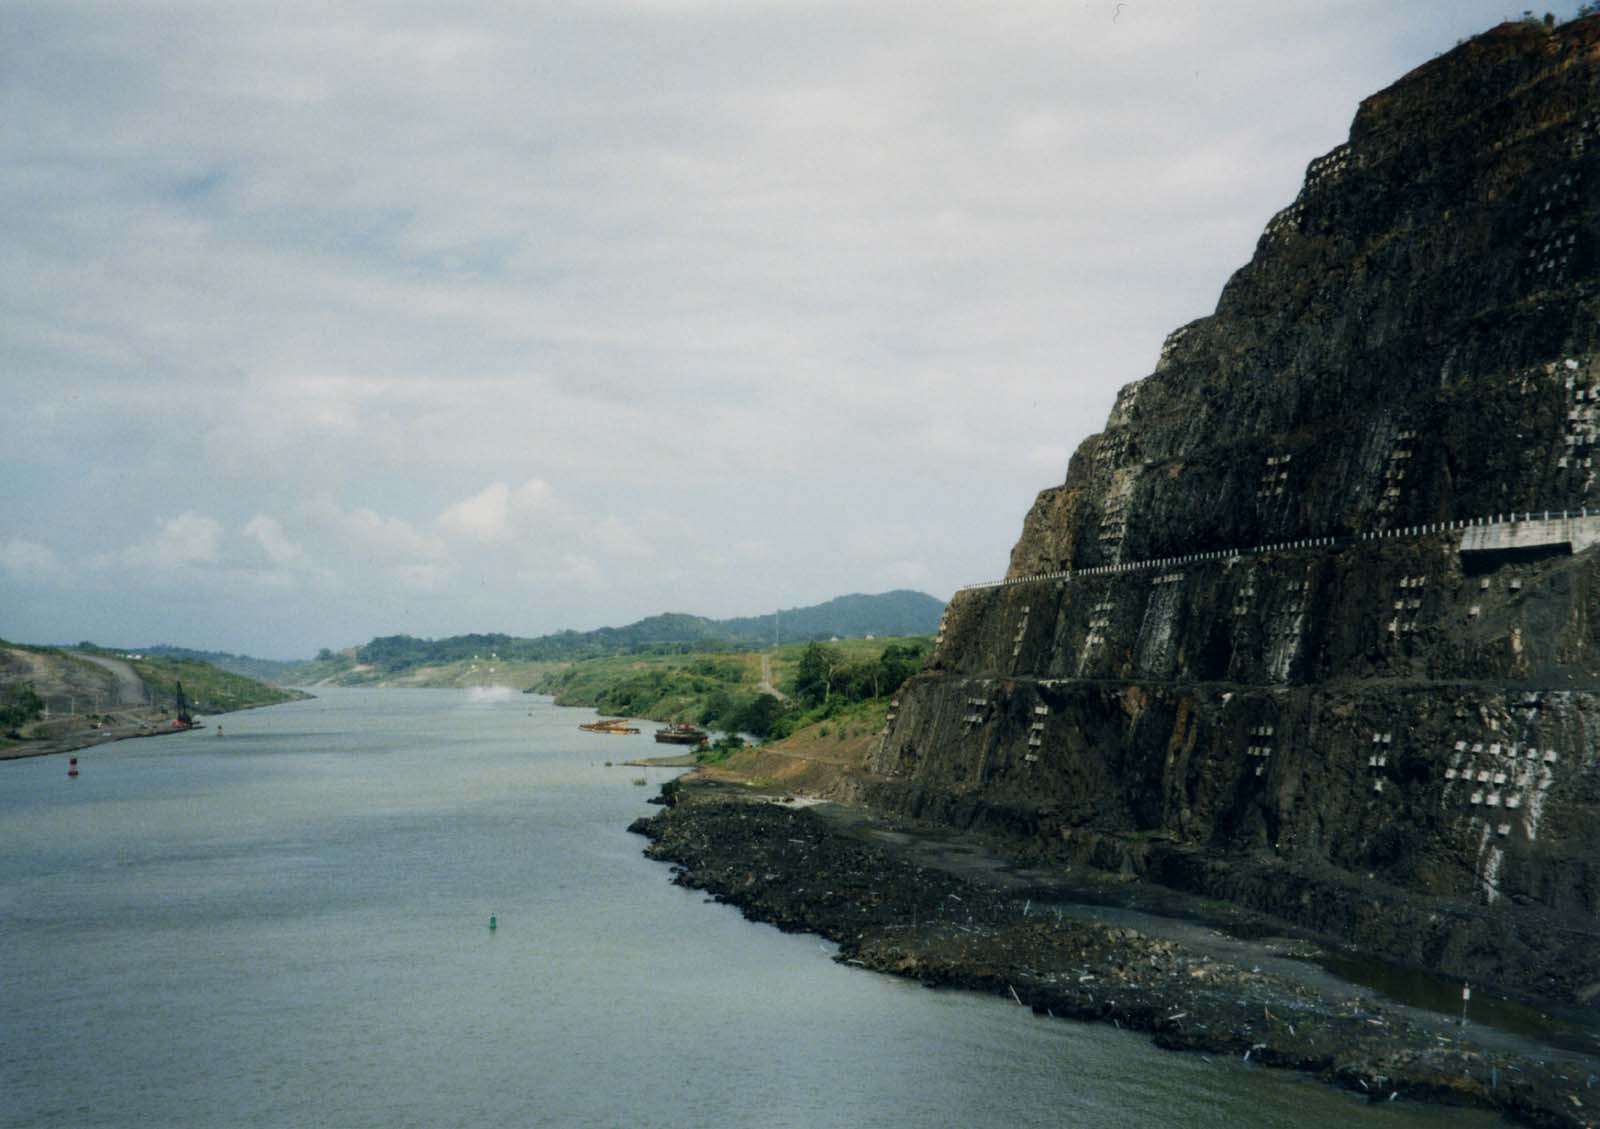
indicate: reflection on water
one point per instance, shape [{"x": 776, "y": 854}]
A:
[{"x": 289, "y": 927}]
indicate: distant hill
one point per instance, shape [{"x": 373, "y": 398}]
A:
[
  {"x": 900, "y": 612},
  {"x": 262, "y": 670}
]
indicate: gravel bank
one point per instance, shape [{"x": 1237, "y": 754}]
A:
[{"x": 803, "y": 872}]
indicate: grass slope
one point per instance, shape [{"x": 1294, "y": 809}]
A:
[
  {"x": 723, "y": 691},
  {"x": 262, "y": 670},
  {"x": 80, "y": 703},
  {"x": 820, "y": 758},
  {"x": 210, "y": 689},
  {"x": 659, "y": 687}
]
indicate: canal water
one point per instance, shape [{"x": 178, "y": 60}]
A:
[{"x": 287, "y": 925}]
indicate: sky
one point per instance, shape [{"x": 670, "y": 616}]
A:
[{"x": 333, "y": 319}]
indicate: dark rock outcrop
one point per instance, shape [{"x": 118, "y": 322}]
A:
[
  {"x": 1314, "y": 623},
  {"x": 893, "y": 908}
]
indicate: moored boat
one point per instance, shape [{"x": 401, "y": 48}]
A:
[
  {"x": 608, "y": 725},
  {"x": 679, "y": 733}
]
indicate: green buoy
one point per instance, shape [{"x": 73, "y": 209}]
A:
[{"x": 492, "y": 923}]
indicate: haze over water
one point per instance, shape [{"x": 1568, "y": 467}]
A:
[{"x": 287, "y": 926}]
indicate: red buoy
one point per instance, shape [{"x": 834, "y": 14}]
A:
[{"x": 72, "y": 766}]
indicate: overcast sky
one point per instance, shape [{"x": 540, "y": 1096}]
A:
[{"x": 323, "y": 320}]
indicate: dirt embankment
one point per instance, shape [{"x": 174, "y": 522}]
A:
[
  {"x": 90, "y": 699},
  {"x": 827, "y": 758},
  {"x": 87, "y": 702},
  {"x": 890, "y": 908},
  {"x": 126, "y": 686}
]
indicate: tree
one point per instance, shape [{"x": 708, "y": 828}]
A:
[
  {"x": 758, "y": 717},
  {"x": 19, "y": 705},
  {"x": 814, "y": 675},
  {"x": 859, "y": 681},
  {"x": 720, "y": 709},
  {"x": 897, "y": 664}
]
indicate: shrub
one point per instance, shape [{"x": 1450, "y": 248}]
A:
[{"x": 19, "y": 705}]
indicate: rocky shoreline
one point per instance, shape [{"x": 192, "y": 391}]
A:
[
  {"x": 887, "y": 910},
  {"x": 113, "y": 725},
  {"x": 121, "y": 725}
]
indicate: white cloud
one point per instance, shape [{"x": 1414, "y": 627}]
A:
[
  {"x": 579, "y": 571},
  {"x": 386, "y": 540},
  {"x": 420, "y": 577},
  {"x": 496, "y": 512},
  {"x": 739, "y": 280},
  {"x": 270, "y": 580},
  {"x": 533, "y": 495},
  {"x": 482, "y": 517},
  {"x": 905, "y": 574},
  {"x": 269, "y": 535},
  {"x": 617, "y": 538},
  {"x": 27, "y": 560},
  {"x": 187, "y": 539}
]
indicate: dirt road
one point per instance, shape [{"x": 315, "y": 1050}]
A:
[
  {"x": 129, "y": 688},
  {"x": 766, "y": 680}
]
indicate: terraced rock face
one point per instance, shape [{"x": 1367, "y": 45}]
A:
[{"x": 1314, "y": 622}]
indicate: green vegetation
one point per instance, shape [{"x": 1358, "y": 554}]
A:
[
  {"x": 68, "y": 697},
  {"x": 826, "y": 671},
  {"x": 898, "y": 613},
  {"x": 208, "y": 688},
  {"x": 337, "y": 666},
  {"x": 823, "y": 730},
  {"x": 720, "y": 749},
  {"x": 480, "y": 670},
  {"x": 391, "y": 656},
  {"x": 664, "y": 633},
  {"x": 262, "y": 670},
  {"x": 820, "y": 681},
  {"x": 674, "y": 638},
  {"x": 708, "y": 689},
  {"x": 19, "y": 705}
]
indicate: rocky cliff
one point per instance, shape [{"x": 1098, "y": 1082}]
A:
[{"x": 1314, "y": 623}]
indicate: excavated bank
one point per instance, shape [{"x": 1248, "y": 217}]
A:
[
  {"x": 1314, "y": 623},
  {"x": 890, "y": 913}
]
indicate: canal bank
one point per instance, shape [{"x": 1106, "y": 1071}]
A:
[{"x": 898, "y": 899}]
